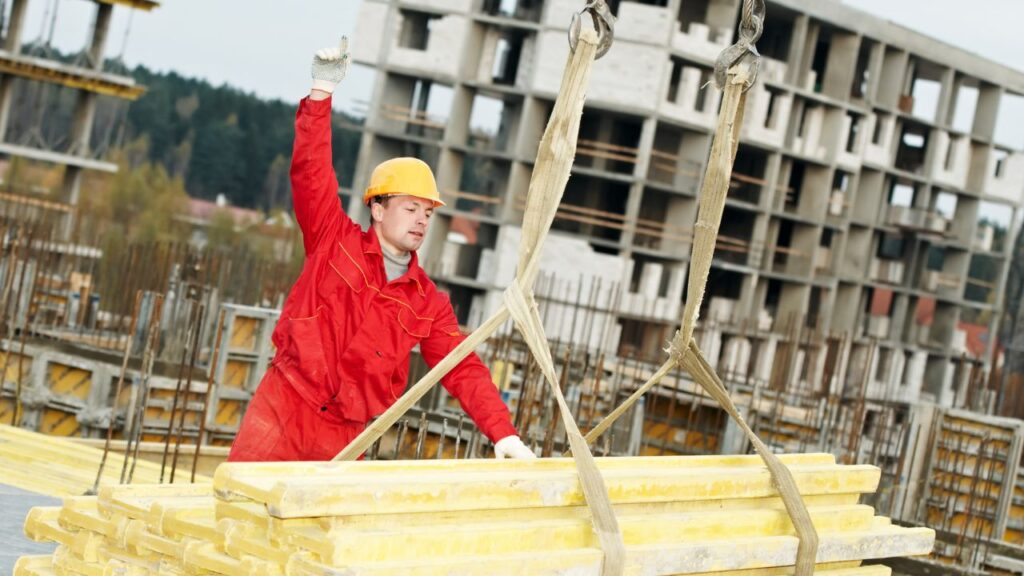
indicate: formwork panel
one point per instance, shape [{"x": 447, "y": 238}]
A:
[
  {"x": 236, "y": 374},
  {"x": 229, "y": 413},
  {"x": 59, "y": 422},
  {"x": 69, "y": 381},
  {"x": 245, "y": 334},
  {"x": 17, "y": 366}
]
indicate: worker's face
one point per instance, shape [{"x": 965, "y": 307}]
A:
[{"x": 402, "y": 224}]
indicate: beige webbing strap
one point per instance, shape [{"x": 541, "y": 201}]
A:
[
  {"x": 547, "y": 185},
  {"x": 524, "y": 311},
  {"x": 712, "y": 204}
]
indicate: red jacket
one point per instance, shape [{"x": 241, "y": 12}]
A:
[{"x": 345, "y": 333}]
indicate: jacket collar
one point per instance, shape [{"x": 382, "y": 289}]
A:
[{"x": 416, "y": 275}]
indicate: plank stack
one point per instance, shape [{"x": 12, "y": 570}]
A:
[{"x": 678, "y": 515}]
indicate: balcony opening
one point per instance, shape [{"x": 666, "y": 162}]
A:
[
  {"x": 819, "y": 63},
  {"x": 838, "y": 201},
  {"x": 482, "y": 185},
  {"x": 748, "y": 175},
  {"x": 945, "y": 204},
  {"x": 925, "y": 90},
  {"x": 722, "y": 285},
  {"x": 794, "y": 186},
  {"x": 492, "y": 122},
  {"x": 876, "y": 134},
  {"x": 1010, "y": 124},
  {"x": 859, "y": 87},
  {"x": 982, "y": 279},
  {"x": 965, "y": 106},
  {"x": 676, "y": 158},
  {"x": 593, "y": 207},
  {"x": 665, "y": 222},
  {"x": 901, "y": 194},
  {"x": 734, "y": 236},
  {"x": 854, "y": 132},
  {"x": 936, "y": 258},
  {"x": 912, "y": 147},
  {"x": 608, "y": 142},
  {"x": 778, "y": 33},
  {"x": 993, "y": 227},
  {"x": 891, "y": 247},
  {"x": 528, "y": 10},
  {"x": 416, "y": 29},
  {"x": 782, "y": 245},
  {"x": 507, "y": 54},
  {"x": 771, "y": 117},
  {"x": 689, "y": 78}
]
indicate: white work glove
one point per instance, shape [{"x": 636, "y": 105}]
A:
[
  {"x": 330, "y": 66},
  {"x": 512, "y": 447}
]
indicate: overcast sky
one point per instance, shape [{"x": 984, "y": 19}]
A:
[{"x": 264, "y": 46}]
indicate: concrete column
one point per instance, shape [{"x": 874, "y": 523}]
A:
[
  {"x": 875, "y": 64},
  {"x": 794, "y": 69},
  {"x": 12, "y": 43},
  {"x": 842, "y": 64},
  {"x": 947, "y": 98},
  {"x": 893, "y": 77},
  {"x": 987, "y": 111},
  {"x": 97, "y": 46}
]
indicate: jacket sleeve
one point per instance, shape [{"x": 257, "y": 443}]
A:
[
  {"x": 469, "y": 382},
  {"x": 314, "y": 184}
]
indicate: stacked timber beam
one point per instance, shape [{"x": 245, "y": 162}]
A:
[
  {"x": 678, "y": 515},
  {"x": 59, "y": 467}
]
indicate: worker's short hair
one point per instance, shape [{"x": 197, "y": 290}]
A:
[{"x": 383, "y": 199}]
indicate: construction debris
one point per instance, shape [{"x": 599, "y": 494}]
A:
[{"x": 678, "y": 515}]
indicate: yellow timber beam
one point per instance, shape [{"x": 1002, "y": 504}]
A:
[{"x": 42, "y": 70}]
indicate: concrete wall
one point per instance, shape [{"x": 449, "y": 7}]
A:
[
  {"x": 880, "y": 153},
  {"x": 685, "y": 105},
  {"x": 444, "y": 51},
  {"x": 628, "y": 76},
  {"x": 367, "y": 41},
  {"x": 1009, "y": 184},
  {"x": 573, "y": 261},
  {"x": 757, "y": 127},
  {"x": 955, "y": 176}
]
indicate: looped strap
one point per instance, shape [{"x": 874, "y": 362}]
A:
[
  {"x": 751, "y": 26},
  {"x": 604, "y": 25}
]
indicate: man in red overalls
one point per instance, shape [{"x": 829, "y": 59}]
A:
[{"x": 360, "y": 305}]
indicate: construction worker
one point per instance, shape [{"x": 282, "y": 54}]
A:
[{"x": 360, "y": 305}]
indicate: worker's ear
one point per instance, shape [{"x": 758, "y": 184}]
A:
[{"x": 377, "y": 211}]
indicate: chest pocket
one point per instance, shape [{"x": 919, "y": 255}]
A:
[
  {"x": 413, "y": 325},
  {"x": 343, "y": 273}
]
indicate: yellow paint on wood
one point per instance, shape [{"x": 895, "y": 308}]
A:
[
  {"x": 39, "y": 565},
  {"x": 18, "y": 366},
  {"x": 236, "y": 374},
  {"x": 229, "y": 413},
  {"x": 256, "y": 480},
  {"x": 57, "y": 422},
  {"x": 318, "y": 496},
  {"x": 243, "y": 333},
  {"x": 66, "y": 380}
]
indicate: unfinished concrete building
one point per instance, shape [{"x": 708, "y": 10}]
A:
[
  {"x": 871, "y": 203},
  {"x": 43, "y": 129}
]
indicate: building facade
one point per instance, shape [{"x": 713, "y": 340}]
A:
[{"x": 871, "y": 205}]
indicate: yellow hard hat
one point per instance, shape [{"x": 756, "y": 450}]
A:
[{"x": 408, "y": 176}]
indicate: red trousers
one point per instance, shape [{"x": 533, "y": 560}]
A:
[{"x": 280, "y": 425}]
